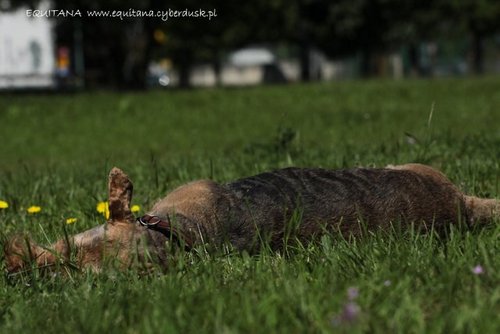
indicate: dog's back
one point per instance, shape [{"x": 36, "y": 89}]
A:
[{"x": 305, "y": 202}]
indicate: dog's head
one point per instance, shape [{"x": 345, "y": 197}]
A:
[{"x": 121, "y": 239}]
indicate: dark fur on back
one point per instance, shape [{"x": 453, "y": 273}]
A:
[{"x": 337, "y": 200}]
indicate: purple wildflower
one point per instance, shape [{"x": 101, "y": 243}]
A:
[
  {"x": 478, "y": 270},
  {"x": 350, "y": 313},
  {"x": 352, "y": 293}
]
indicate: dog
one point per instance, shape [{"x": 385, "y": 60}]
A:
[{"x": 291, "y": 205}]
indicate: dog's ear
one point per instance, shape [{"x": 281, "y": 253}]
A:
[{"x": 120, "y": 195}]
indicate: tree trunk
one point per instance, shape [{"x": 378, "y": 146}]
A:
[
  {"x": 116, "y": 61},
  {"x": 414, "y": 59},
  {"x": 185, "y": 69},
  {"x": 305, "y": 60},
  {"x": 303, "y": 39},
  {"x": 217, "y": 67},
  {"x": 138, "y": 45},
  {"x": 477, "y": 52},
  {"x": 366, "y": 62}
]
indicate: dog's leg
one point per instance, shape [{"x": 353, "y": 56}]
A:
[
  {"x": 21, "y": 252},
  {"x": 116, "y": 237},
  {"x": 482, "y": 210}
]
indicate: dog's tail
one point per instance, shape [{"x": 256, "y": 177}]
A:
[{"x": 482, "y": 211}]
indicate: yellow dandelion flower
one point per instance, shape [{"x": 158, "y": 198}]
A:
[
  {"x": 103, "y": 207},
  {"x": 135, "y": 208},
  {"x": 4, "y": 205},
  {"x": 71, "y": 220},
  {"x": 34, "y": 209}
]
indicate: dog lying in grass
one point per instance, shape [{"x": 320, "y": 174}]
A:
[{"x": 276, "y": 208}]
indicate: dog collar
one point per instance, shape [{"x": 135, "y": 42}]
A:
[{"x": 165, "y": 227}]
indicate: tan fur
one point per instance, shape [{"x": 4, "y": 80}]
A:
[
  {"x": 112, "y": 241},
  {"x": 197, "y": 200},
  {"x": 482, "y": 210},
  {"x": 424, "y": 170},
  {"x": 21, "y": 251},
  {"x": 191, "y": 200},
  {"x": 120, "y": 195}
]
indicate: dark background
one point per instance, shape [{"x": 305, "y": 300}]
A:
[{"x": 116, "y": 53}]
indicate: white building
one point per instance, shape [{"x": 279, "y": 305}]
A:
[{"x": 27, "y": 55}]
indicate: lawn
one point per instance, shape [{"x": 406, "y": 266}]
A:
[{"x": 56, "y": 151}]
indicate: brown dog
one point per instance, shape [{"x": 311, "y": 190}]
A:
[{"x": 283, "y": 206}]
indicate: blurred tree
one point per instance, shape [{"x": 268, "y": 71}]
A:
[
  {"x": 237, "y": 24},
  {"x": 372, "y": 28},
  {"x": 479, "y": 18}
]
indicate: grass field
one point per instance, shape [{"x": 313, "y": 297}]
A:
[{"x": 56, "y": 151}]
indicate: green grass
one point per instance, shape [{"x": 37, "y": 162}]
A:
[{"x": 55, "y": 152}]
